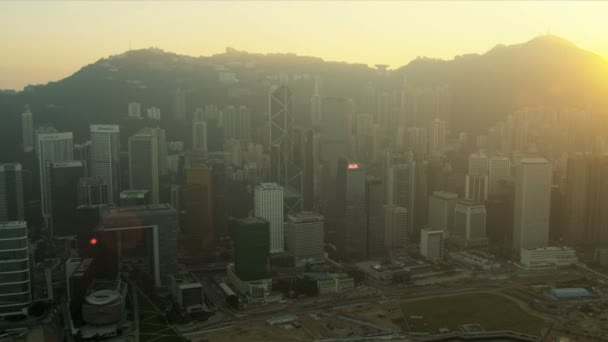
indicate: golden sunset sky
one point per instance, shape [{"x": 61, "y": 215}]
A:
[{"x": 47, "y": 41}]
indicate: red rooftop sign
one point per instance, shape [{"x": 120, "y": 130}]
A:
[{"x": 352, "y": 166}]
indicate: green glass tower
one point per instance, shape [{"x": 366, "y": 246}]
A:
[{"x": 251, "y": 248}]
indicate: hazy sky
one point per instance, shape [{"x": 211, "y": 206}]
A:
[{"x": 47, "y": 41}]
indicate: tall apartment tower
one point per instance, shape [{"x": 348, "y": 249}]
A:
[
  {"x": 532, "y": 204},
  {"x": 11, "y": 192},
  {"x": 437, "y": 137},
  {"x": 284, "y": 169},
  {"x": 105, "y": 157},
  {"x": 143, "y": 164},
  {"x": 27, "y": 127},
  {"x": 499, "y": 169},
  {"x": 15, "y": 282},
  {"x": 306, "y": 237},
  {"x": 268, "y": 203},
  {"x": 52, "y": 147},
  {"x": 441, "y": 211}
]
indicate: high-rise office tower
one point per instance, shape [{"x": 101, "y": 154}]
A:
[
  {"x": 105, "y": 157},
  {"x": 198, "y": 204},
  {"x": 315, "y": 106},
  {"x": 135, "y": 110},
  {"x": 395, "y": 226},
  {"x": 469, "y": 223},
  {"x": 27, "y": 127},
  {"x": 237, "y": 123},
  {"x": 82, "y": 152},
  {"x": 499, "y": 169},
  {"x": 401, "y": 186},
  {"x": 15, "y": 282},
  {"x": 161, "y": 142},
  {"x": 335, "y": 132},
  {"x": 268, "y": 203},
  {"x": 417, "y": 140},
  {"x": 437, "y": 137},
  {"x": 52, "y": 147},
  {"x": 532, "y": 204},
  {"x": 179, "y": 104},
  {"x": 364, "y": 136},
  {"x": 375, "y": 217},
  {"x": 351, "y": 216},
  {"x": 251, "y": 248},
  {"x": 92, "y": 191},
  {"x": 441, "y": 210},
  {"x": 306, "y": 237},
  {"x": 284, "y": 169},
  {"x": 577, "y": 189},
  {"x": 143, "y": 164},
  {"x": 199, "y": 137},
  {"x": 431, "y": 244},
  {"x": 476, "y": 181},
  {"x": 11, "y": 192},
  {"x": 65, "y": 177}
]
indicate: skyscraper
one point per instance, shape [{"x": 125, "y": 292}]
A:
[
  {"x": 92, "y": 191},
  {"x": 52, "y": 147},
  {"x": 105, "y": 157},
  {"x": 437, "y": 137},
  {"x": 306, "y": 238},
  {"x": 396, "y": 226},
  {"x": 65, "y": 177},
  {"x": 469, "y": 223},
  {"x": 375, "y": 217},
  {"x": 135, "y": 110},
  {"x": 532, "y": 204},
  {"x": 499, "y": 169},
  {"x": 268, "y": 204},
  {"x": 315, "y": 106},
  {"x": 11, "y": 192},
  {"x": 284, "y": 169},
  {"x": 431, "y": 244},
  {"x": 198, "y": 204},
  {"x": 335, "y": 132},
  {"x": 199, "y": 137},
  {"x": 351, "y": 216},
  {"x": 401, "y": 186},
  {"x": 15, "y": 282},
  {"x": 476, "y": 181},
  {"x": 161, "y": 141},
  {"x": 143, "y": 164},
  {"x": 179, "y": 104},
  {"x": 237, "y": 123},
  {"x": 441, "y": 210},
  {"x": 27, "y": 126},
  {"x": 251, "y": 248}
]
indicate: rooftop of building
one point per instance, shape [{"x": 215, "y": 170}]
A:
[
  {"x": 252, "y": 220},
  {"x": 268, "y": 186},
  {"x": 571, "y": 292},
  {"x": 12, "y": 224},
  {"x": 305, "y": 216},
  {"x": 184, "y": 278},
  {"x": 551, "y": 249},
  {"x": 445, "y": 194},
  {"x": 134, "y": 193},
  {"x": 533, "y": 161},
  {"x": 10, "y": 167}
]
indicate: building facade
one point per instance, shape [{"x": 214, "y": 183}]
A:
[{"x": 268, "y": 204}]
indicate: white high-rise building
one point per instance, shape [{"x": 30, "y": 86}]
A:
[
  {"x": 143, "y": 164},
  {"x": 499, "y": 169},
  {"x": 135, "y": 110},
  {"x": 27, "y": 126},
  {"x": 532, "y": 204},
  {"x": 199, "y": 137},
  {"x": 478, "y": 164},
  {"x": 437, "y": 137},
  {"x": 476, "y": 187},
  {"x": 15, "y": 282},
  {"x": 52, "y": 147},
  {"x": 431, "y": 244},
  {"x": 105, "y": 157},
  {"x": 268, "y": 202},
  {"x": 469, "y": 223},
  {"x": 395, "y": 223},
  {"x": 153, "y": 113}
]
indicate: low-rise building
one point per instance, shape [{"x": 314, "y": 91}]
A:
[
  {"x": 394, "y": 272},
  {"x": 431, "y": 244},
  {"x": 254, "y": 291},
  {"x": 187, "y": 292},
  {"x": 473, "y": 260},
  {"x": 547, "y": 258},
  {"x": 332, "y": 282}
]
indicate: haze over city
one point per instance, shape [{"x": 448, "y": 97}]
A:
[
  {"x": 303, "y": 171},
  {"x": 45, "y": 47}
]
